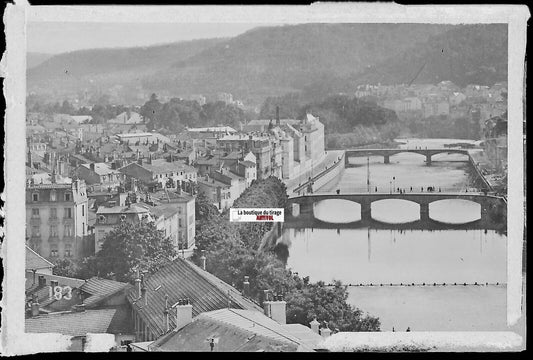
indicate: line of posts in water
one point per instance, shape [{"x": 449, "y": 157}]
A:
[{"x": 423, "y": 284}]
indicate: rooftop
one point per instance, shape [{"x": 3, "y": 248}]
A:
[
  {"x": 101, "y": 168},
  {"x": 71, "y": 322},
  {"x": 35, "y": 261},
  {"x": 99, "y": 289},
  {"x": 213, "y": 129},
  {"x": 183, "y": 279},
  {"x": 236, "y": 330}
]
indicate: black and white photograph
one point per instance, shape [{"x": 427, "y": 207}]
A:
[{"x": 303, "y": 179}]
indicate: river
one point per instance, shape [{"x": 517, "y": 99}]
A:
[{"x": 381, "y": 266}]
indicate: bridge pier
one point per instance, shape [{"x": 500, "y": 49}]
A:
[
  {"x": 424, "y": 212},
  {"x": 428, "y": 160},
  {"x": 366, "y": 210},
  {"x": 386, "y": 159}
]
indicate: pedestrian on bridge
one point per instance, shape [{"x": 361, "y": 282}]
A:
[
  {"x": 408, "y": 329},
  {"x": 376, "y": 189}
]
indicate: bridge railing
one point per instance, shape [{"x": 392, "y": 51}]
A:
[{"x": 406, "y": 190}]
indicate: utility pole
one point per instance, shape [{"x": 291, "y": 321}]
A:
[{"x": 368, "y": 174}]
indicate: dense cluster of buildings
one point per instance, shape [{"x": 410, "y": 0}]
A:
[
  {"x": 84, "y": 179},
  {"x": 442, "y": 99}
]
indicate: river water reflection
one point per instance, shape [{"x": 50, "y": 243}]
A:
[{"x": 364, "y": 256}]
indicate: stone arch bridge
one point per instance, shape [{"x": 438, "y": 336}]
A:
[
  {"x": 302, "y": 207},
  {"x": 387, "y": 153}
]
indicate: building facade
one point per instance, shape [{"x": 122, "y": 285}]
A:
[{"x": 57, "y": 219}]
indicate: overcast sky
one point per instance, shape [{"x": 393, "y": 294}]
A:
[{"x": 56, "y": 37}]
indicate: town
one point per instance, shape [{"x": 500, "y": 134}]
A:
[
  {"x": 255, "y": 193},
  {"x": 84, "y": 179}
]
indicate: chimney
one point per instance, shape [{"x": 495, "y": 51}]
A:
[
  {"x": 276, "y": 309},
  {"x": 277, "y": 116},
  {"x": 79, "y": 307},
  {"x": 138, "y": 284},
  {"x": 143, "y": 294},
  {"x": 325, "y": 332},
  {"x": 183, "y": 313},
  {"x": 35, "y": 308},
  {"x": 315, "y": 326},
  {"x": 42, "y": 280},
  {"x": 203, "y": 259},
  {"x": 246, "y": 286},
  {"x": 92, "y": 166}
]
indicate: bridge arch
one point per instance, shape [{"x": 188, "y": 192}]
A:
[
  {"x": 455, "y": 211},
  {"x": 395, "y": 211},
  {"x": 337, "y": 211}
]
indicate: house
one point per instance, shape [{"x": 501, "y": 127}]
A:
[
  {"x": 160, "y": 171},
  {"x": 128, "y": 118},
  {"x": 111, "y": 215},
  {"x": 101, "y": 175},
  {"x": 36, "y": 265},
  {"x": 56, "y": 218},
  {"x": 180, "y": 279},
  {"x": 80, "y": 323},
  {"x": 218, "y": 192},
  {"x": 185, "y": 225},
  {"x": 234, "y": 330},
  {"x": 81, "y": 119}
]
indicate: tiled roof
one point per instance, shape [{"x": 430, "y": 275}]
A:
[
  {"x": 162, "y": 166},
  {"x": 167, "y": 210},
  {"x": 235, "y": 330},
  {"x": 35, "y": 261},
  {"x": 247, "y": 163},
  {"x": 101, "y": 289},
  {"x": 72, "y": 323},
  {"x": 101, "y": 168},
  {"x": 182, "y": 279},
  {"x": 133, "y": 209}
]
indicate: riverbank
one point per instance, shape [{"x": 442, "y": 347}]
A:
[
  {"x": 329, "y": 161},
  {"x": 496, "y": 180}
]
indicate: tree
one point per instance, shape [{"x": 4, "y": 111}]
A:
[
  {"x": 66, "y": 267},
  {"x": 150, "y": 111},
  {"x": 129, "y": 246},
  {"x": 329, "y": 304}
]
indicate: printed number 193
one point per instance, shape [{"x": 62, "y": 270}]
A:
[{"x": 57, "y": 292}]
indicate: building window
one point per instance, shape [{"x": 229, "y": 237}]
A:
[
  {"x": 179, "y": 222},
  {"x": 83, "y": 210},
  {"x": 68, "y": 230},
  {"x": 101, "y": 219},
  {"x": 67, "y": 196},
  {"x": 35, "y": 197},
  {"x": 53, "y": 195},
  {"x": 54, "y": 253},
  {"x": 53, "y": 230},
  {"x": 83, "y": 228},
  {"x": 68, "y": 250},
  {"x": 35, "y": 231},
  {"x": 68, "y": 213},
  {"x": 53, "y": 213},
  {"x": 35, "y": 212}
]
